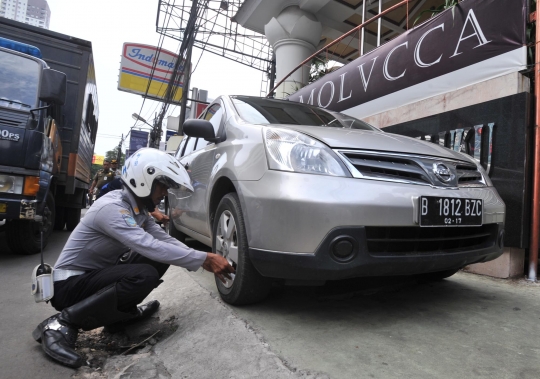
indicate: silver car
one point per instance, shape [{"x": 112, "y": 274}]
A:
[{"x": 291, "y": 192}]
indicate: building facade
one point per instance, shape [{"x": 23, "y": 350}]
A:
[{"x": 32, "y": 12}]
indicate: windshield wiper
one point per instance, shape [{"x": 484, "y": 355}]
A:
[{"x": 334, "y": 120}]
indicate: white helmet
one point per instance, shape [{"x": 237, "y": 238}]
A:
[{"x": 148, "y": 164}]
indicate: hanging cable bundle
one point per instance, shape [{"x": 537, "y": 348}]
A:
[{"x": 195, "y": 18}]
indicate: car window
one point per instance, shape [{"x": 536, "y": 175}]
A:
[
  {"x": 178, "y": 154},
  {"x": 269, "y": 111},
  {"x": 214, "y": 114},
  {"x": 190, "y": 146}
]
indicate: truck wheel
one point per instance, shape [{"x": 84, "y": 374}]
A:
[
  {"x": 171, "y": 229},
  {"x": 73, "y": 216},
  {"x": 24, "y": 237},
  {"x": 59, "y": 220},
  {"x": 230, "y": 240}
]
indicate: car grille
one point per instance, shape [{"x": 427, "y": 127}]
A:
[
  {"x": 415, "y": 240},
  {"x": 469, "y": 176},
  {"x": 12, "y": 118},
  {"x": 388, "y": 168},
  {"x": 410, "y": 169}
]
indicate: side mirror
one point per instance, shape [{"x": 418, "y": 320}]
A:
[
  {"x": 53, "y": 87},
  {"x": 200, "y": 128}
]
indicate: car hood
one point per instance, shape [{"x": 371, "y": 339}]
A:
[{"x": 375, "y": 140}]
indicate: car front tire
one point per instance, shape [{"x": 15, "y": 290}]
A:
[{"x": 230, "y": 240}]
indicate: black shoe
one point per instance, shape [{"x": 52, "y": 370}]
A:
[
  {"x": 146, "y": 310},
  {"x": 143, "y": 312},
  {"x": 36, "y": 334},
  {"x": 58, "y": 341}
]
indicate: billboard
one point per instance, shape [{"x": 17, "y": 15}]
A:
[
  {"x": 97, "y": 159},
  {"x": 169, "y": 134},
  {"x": 470, "y": 43},
  {"x": 137, "y": 140},
  {"x": 136, "y": 69}
]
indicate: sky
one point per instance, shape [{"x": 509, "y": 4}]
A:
[{"x": 108, "y": 24}]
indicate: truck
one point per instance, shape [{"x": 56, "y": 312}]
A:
[{"x": 48, "y": 125}]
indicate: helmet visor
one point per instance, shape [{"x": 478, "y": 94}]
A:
[{"x": 165, "y": 180}]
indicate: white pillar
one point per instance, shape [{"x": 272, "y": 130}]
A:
[{"x": 294, "y": 35}]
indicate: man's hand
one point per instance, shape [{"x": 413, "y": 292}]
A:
[
  {"x": 219, "y": 266},
  {"x": 160, "y": 217}
]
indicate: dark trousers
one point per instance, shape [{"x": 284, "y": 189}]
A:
[{"x": 134, "y": 279}]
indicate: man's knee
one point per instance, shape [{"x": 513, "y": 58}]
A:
[{"x": 142, "y": 273}]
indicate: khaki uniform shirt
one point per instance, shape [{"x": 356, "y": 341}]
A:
[{"x": 103, "y": 178}]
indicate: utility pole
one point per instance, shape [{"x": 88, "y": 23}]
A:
[
  {"x": 155, "y": 134},
  {"x": 119, "y": 155},
  {"x": 185, "y": 90}
]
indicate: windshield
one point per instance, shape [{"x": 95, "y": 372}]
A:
[
  {"x": 19, "y": 80},
  {"x": 267, "y": 111}
]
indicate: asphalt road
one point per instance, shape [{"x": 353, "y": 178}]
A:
[
  {"x": 20, "y": 356},
  {"x": 466, "y": 326}
]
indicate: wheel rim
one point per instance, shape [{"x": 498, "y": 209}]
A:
[{"x": 227, "y": 241}]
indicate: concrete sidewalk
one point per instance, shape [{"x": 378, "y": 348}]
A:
[
  {"x": 466, "y": 326},
  {"x": 210, "y": 342}
]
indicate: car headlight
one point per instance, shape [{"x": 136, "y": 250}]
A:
[
  {"x": 11, "y": 184},
  {"x": 484, "y": 174},
  {"x": 288, "y": 150}
]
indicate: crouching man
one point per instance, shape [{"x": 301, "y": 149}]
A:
[{"x": 117, "y": 255}]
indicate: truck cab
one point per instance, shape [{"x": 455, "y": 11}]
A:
[{"x": 31, "y": 95}]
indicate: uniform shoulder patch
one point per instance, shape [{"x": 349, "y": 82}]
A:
[
  {"x": 125, "y": 212},
  {"x": 130, "y": 221}
]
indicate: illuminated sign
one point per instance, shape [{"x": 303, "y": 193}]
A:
[{"x": 140, "y": 63}]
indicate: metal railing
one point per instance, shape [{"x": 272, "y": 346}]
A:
[{"x": 358, "y": 29}]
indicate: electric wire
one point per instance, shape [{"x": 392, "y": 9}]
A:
[{"x": 179, "y": 69}]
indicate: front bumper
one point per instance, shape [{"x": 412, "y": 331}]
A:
[
  {"x": 363, "y": 261},
  {"x": 17, "y": 208},
  {"x": 291, "y": 219}
]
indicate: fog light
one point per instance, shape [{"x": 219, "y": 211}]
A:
[
  {"x": 343, "y": 248},
  {"x": 11, "y": 184}
]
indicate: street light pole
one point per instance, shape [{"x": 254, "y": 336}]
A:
[{"x": 155, "y": 131}]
